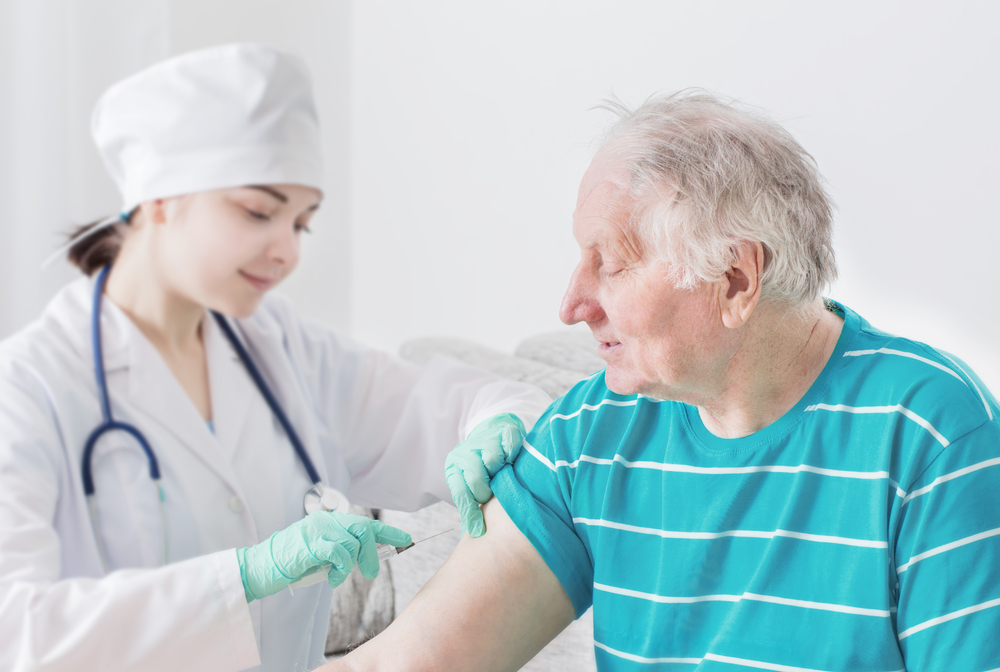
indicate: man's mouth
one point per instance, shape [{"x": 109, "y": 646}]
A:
[{"x": 607, "y": 347}]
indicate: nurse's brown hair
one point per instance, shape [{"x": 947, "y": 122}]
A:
[{"x": 98, "y": 249}]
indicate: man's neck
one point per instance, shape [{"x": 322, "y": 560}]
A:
[{"x": 773, "y": 371}]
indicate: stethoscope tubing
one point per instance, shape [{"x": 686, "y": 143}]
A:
[
  {"x": 109, "y": 424},
  {"x": 265, "y": 391}
]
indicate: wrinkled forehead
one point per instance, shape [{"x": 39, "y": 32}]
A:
[
  {"x": 603, "y": 206},
  {"x": 603, "y": 215},
  {"x": 607, "y": 173}
]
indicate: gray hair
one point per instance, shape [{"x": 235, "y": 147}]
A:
[{"x": 707, "y": 175}]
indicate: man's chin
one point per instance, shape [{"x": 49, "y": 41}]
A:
[
  {"x": 619, "y": 383},
  {"x": 626, "y": 386}
]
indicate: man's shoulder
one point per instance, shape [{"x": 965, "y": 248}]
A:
[
  {"x": 930, "y": 400},
  {"x": 882, "y": 369}
]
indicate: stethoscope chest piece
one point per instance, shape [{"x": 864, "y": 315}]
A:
[{"x": 324, "y": 498}]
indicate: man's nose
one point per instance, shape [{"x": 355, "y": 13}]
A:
[{"x": 580, "y": 302}]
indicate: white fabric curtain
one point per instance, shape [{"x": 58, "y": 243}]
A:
[{"x": 57, "y": 57}]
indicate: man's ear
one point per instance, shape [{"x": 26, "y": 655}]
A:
[{"x": 739, "y": 290}]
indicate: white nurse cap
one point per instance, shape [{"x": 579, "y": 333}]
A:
[{"x": 227, "y": 116}]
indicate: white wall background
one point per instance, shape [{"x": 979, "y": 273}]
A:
[
  {"x": 471, "y": 131},
  {"x": 456, "y": 133},
  {"x": 56, "y": 56}
]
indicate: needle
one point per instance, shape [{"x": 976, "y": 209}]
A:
[{"x": 385, "y": 551}]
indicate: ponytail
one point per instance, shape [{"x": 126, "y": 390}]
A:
[{"x": 98, "y": 249}]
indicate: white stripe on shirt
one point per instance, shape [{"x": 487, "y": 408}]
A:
[
  {"x": 947, "y": 547},
  {"x": 588, "y": 407},
  {"x": 947, "y": 477},
  {"x": 947, "y": 617},
  {"x": 898, "y": 408},
  {"x": 901, "y": 353},
  {"x": 708, "y": 656},
  {"x": 758, "y": 664},
  {"x": 538, "y": 456},
  {"x": 805, "y": 604},
  {"x": 688, "y": 469},
  {"x": 641, "y": 659},
  {"x": 663, "y": 599},
  {"x": 755, "y": 534},
  {"x": 763, "y": 666}
]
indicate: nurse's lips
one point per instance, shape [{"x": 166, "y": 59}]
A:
[{"x": 259, "y": 283}]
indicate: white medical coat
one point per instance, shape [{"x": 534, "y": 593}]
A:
[{"x": 376, "y": 428}]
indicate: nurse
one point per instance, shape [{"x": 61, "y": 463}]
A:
[{"x": 166, "y": 542}]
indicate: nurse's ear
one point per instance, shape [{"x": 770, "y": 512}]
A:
[{"x": 153, "y": 211}]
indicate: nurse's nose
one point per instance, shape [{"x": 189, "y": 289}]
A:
[
  {"x": 284, "y": 247},
  {"x": 580, "y": 302}
]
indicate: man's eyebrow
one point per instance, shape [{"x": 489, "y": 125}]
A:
[{"x": 269, "y": 190}]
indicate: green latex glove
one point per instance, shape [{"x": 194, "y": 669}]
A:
[
  {"x": 339, "y": 539},
  {"x": 492, "y": 444}
]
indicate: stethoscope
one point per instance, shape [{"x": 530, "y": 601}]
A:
[{"x": 319, "y": 498}]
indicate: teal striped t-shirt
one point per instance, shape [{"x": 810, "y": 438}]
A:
[{"x": 860, "y": 531}]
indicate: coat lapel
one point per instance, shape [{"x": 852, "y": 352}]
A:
[
  {"x": 138, "y": 376},
  {"x": 231, "y": 387},
  {"x": 268, "y": 349}
]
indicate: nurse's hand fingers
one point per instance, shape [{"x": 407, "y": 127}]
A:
[
  {"x": 387, "y": 534},
  {"x": 499, "y": 440},
  {"x": 508, "y": 432},
  {"x": 473, "y": 521},
  {"x": 330, "y": 530},
  {"x": 511, "y": 439},
  {"x": 468, "y": 507},
  {"x": 331, "y": 536},
  {"x": 367, "y": 552},
  {"x": 340, "y": 566},
  {"x": 468, "y": 466}
]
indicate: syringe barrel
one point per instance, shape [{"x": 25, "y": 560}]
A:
[
  {"x": 386, "y": 551},
  {"x": 314, "y": 578}
]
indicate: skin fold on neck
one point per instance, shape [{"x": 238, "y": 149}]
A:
[{"x": 773, "y": 369}]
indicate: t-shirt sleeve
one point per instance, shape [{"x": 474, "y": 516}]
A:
[
  {"x": 537, "y": 495},
  {"x": 946, "y": 555}
]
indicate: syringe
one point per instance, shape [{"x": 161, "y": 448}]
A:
[{"x": 385, "y": 551}]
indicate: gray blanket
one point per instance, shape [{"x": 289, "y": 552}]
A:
[{"x": 361, "y": 609}]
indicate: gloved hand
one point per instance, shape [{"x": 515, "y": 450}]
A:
[
  {"x": 340, "y": 539},
  {"x": 491, "y": 444}
]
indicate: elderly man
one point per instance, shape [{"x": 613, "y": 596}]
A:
[{"x": 760, "y": 479}]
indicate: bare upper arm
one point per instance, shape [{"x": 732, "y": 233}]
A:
[{"x": 491, "y": 606}]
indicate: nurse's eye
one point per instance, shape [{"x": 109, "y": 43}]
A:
[
  {"x": 299, "y": 228},
  {"x": 259, "y": 216}
]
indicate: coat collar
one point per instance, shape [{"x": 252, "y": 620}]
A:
[
  {"x": 141, "y": 384},
  {"x": 138, "y": 377},
  {"x": 152, "y": 391}
]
